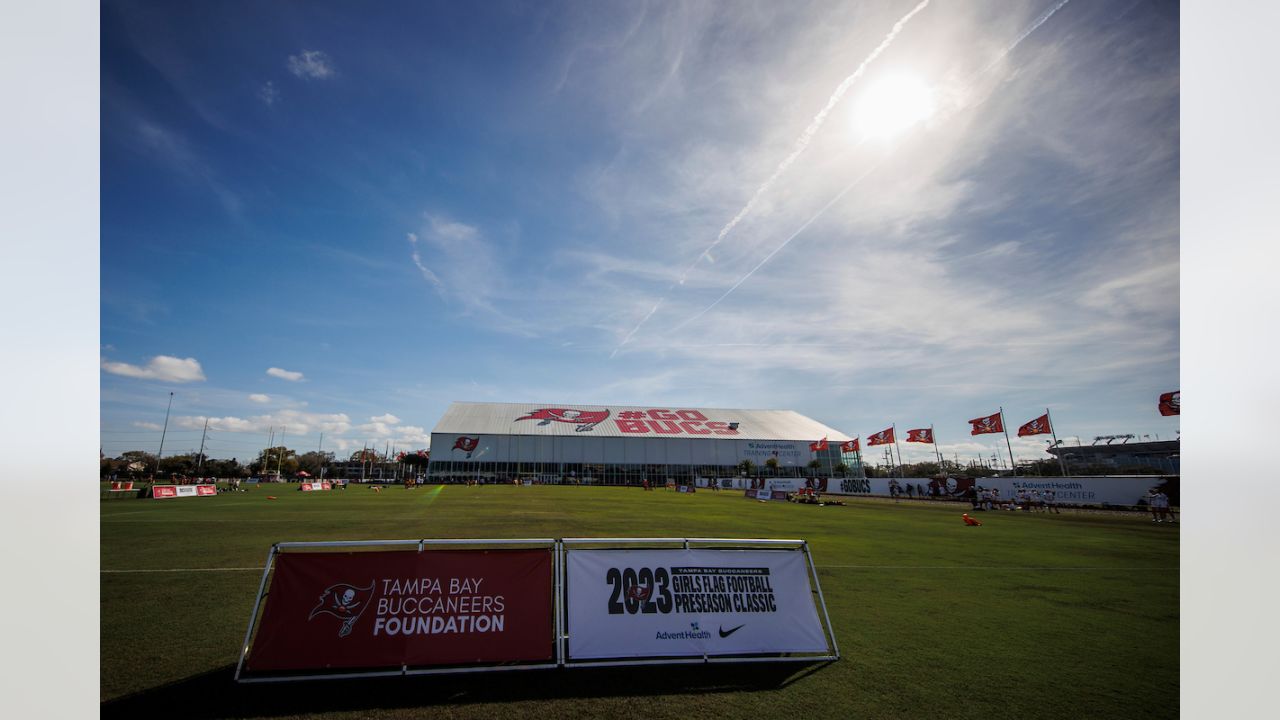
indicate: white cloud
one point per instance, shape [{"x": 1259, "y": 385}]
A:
[
  {"x": 388, "y": 419},
  {"x": 160, "y": 367},
  {"x": 268, "y": 93},
  {"x": 290, "y": 375},
  {"x": 311, "y": 64},
  {"x": 148, "y": 425},
  {"x": 293, "y": 423},
  {"x": 260, "y": 398}
]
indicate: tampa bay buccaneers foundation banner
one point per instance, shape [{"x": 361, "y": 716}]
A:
[
  {"x": 360, "y": 611},
  {"x": 626, "y": 604}
]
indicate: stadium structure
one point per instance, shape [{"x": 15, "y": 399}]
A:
[{"x": 615, "y": 445}]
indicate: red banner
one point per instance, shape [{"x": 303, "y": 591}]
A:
[
  {"x": 851, "y": 446},
  {"x": 1039, "y": 426},
  {"x": 988, "y": 424},
  {"x": 365, "y": 610},
  {"x": 159, "y": 492},
  {"x": 884, "y": 437},
  {"x": 1171, "y": 403},
  {"x": 314, "y": 486},
  {"x": 818, "y": 446},
  {"x": 922, "y": 435}
]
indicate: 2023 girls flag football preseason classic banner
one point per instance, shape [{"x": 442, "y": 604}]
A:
[
  {"x": 370, "y": 611},
  {"x": 681, "y": 602}
]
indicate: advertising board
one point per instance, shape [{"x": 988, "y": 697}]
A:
[{"x": 678, "y": 602}]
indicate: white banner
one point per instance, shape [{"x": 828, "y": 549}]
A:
[{"x": 650, "y": 603}]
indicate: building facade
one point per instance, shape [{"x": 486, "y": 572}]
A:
[{"x": 617, "y": 445}]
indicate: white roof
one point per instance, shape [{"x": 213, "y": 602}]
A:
[{"x": 464, "y": 418}]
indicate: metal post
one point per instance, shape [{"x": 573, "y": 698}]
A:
[
  {"x": 936, "y": 451},
  {"x": 1012, "y": 465},
  {"x": 320, "y": 452},
  {"x": 1062, "y": 464},
  {"x": 895, "y": 444},
  {"x": 162, "y": 432},
  {"x": 266, "y": 455}
]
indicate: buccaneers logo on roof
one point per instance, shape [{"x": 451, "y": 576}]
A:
[
  {"x": 345, "y": 602},
  {"x": 584, "y": 419}
]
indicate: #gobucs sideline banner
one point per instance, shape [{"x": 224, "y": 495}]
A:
[
  {"x": 386, "y": 609},
  {"x": 652, "y": 603},
  {"x": 159, "y": 492}
]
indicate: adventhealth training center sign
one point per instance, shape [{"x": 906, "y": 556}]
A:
[{"x": 406, "y": 607}]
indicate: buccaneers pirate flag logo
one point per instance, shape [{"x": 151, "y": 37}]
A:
[
  {"x": 466, "y": 444},
  {"x": 923, "y": 435},
  {"x": 1039, "y": 426},
  {"x": 584, "y": 419},
  {"x": 1170, "y": 403},
  {"x": 884, "y": 437},
  {"x": 988, "y": 424},
  {"x": 345, "y": 602}
]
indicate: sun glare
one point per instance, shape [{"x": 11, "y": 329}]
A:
[{"x": 892, "y": 105}]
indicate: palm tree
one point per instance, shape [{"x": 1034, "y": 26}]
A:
[{"x": 772, "y": 464}]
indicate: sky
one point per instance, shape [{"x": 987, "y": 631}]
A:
[{"x": 338, "y": 218}]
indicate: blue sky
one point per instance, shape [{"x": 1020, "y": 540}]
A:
[{"x": 338, "y": 218}]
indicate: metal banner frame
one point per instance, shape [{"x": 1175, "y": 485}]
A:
[
  {"x": 559, "y": 550},
  {"x": 704, "y": 544},
  {"x": 405, "y": 670}
]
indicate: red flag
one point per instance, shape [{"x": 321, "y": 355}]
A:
[
  {"x": 924, "y": 435},
  {"x": 851, "y": 446},
  {"x": 816, "y": 446},
  {"x": 1039, "y": 426},
  {"x": 884, "y": 437},
  {"x": 988, "y": 424},
  {"x": 1170, "y": 404}
]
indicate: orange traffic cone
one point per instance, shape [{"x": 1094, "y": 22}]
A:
[{"x": 970, "y": 521}]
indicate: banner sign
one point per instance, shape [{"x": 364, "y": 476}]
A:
[
  {"x": 1081, "y": 490},
  {"x": 388, "y": 609},
  {"x": 314, "y": 486},
  {"x": 160, "y": 492},
  {"x": 698, "y": 602}
]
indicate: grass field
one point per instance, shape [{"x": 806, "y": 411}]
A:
[{"x": 1029, "y": 616}]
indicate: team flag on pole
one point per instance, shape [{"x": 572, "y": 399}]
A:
[
  {"x": 1170, "y": 404},
  {"x": 923, "y": 435},
  {"x": 988, "y": 424},
  {"x": 1039, "y": 426},
  {"x": 884, "y": 437},
  {"x": 851, "y": 446},
  {"x": 816, "y": 446}
]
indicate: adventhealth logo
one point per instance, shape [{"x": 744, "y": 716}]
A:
[{"x": 693, "y": 633}]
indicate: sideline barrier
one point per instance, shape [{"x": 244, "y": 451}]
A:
[
  {"x": 160, "y": 492},
  {"x": 415, "y": 607},
  {"x": 314, "y": 486}
]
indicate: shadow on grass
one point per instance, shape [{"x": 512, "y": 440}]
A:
[{"x": 214, "y": 694}]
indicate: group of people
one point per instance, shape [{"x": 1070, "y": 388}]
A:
[
  {"x": 1023, "y": 499},
  {"x": 1158, "y": 504},
  {"x": 897, "y": 490}
]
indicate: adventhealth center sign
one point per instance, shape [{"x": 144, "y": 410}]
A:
[{"x": 406, "y": 607}]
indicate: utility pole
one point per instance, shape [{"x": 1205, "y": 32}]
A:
[
  {"x": 320, "y": 452},
  {"x": 163, "y": 432},
  {"x": 200, "y": 459},
  {"x": 266, "y": 455}
]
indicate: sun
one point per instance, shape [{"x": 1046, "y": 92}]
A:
[{"x": 892, "y": 105}]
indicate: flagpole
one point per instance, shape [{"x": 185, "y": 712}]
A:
[
  {"x": 1062, "y": 465},
  {"x": 936, "y": 451},
  {"x": 899, "y": 448},
  {"x": 1013, "y": 465}
]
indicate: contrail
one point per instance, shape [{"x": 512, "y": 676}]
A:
[
  {"x": 801, "y": 144},
  {"x": 1040, "y": 21},
  {"x": 791, "y": 237}
]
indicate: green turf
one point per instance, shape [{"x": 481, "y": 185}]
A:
[{"x": 1029, "y": 616}]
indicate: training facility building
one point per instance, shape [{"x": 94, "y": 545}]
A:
[{"x": 616, "y": 445}]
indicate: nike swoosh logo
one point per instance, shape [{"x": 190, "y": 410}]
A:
[{"x": 726, "y": 633}]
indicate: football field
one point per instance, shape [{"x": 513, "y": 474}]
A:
[{"x": 1029, "y": 616}]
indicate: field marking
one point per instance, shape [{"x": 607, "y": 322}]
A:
[
  {"x": 180, "y": 570},
  {"x": 984, "y": 567}
]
